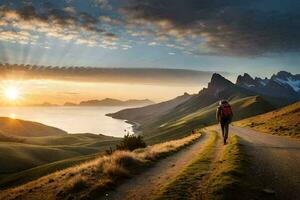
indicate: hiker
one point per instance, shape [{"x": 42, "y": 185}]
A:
[{"x": 224, "y": 117}]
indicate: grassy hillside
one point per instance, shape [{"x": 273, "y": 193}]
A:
[
  {"x": 242, "y": 108},
  {"x": 25, "y": 176},
  {"x": 84, "y": 139},
  {"x": 148, "y": 114},
  {"x": 35, "y": 151},
  {"x": 90, "y": 179},
  {"x": 204, "y": 99},
  {"x": 158, "y": 124},
  {"x": 284, "y": 121},
  {"x": 17, "y": 127}
]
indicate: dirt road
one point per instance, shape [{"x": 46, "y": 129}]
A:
[
  {"x": 273, "y": 170},
  {"x": 274, "y": 163},
  {"x": 147, "y": 184}
]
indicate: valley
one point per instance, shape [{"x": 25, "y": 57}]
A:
[{"x": 167, "y": 121}]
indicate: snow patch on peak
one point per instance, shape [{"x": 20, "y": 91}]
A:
[
  {"x": 249, "y": 85},
  {"x": 295, "y": 84},
  {"x": 263, "y": 83}
]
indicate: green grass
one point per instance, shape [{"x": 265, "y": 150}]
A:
[
  {"x": 18, "y": 156},
  {"x": 174, "y": 127},
  {"x": 17, "y": 127},
  {"x": 44, "y": 153},
  {"x": 91, "y": 178},
  {"x": 226, "y": 181},
  {"x": 84, "y": 139},
  {"x": 186, "y": 182}
]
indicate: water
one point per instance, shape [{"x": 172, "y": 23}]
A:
[{"x": 73, "y": 119}]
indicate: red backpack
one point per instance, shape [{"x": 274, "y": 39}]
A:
[{"x": 226, "y": 110}]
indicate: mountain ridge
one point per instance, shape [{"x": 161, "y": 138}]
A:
[
  {"x": 115, "y": 102},
  {"x": 171, "y": 122},
  {"x": 283, "y": 84}
]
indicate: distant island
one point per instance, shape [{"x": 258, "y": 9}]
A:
[
  {"x": 97, "y": 102},
  {"x": 112, "y": 102},
  {"x": 45, "y": 104}
]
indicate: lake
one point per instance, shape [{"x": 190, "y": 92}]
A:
[{"x": 73, "y": 119}]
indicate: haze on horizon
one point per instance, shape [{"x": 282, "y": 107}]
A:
[{"x": 189, "y": 39}]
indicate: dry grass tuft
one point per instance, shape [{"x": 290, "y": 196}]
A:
[
  {"x": 94, "y": 177},
  {"x": 77, "y": 184}
]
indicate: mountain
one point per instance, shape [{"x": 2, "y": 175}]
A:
[
  {"x": 196, "y": 111},
  {"x": 16, "y": 127},
  {"x": 70, "y": 104},
  {"x": 148, "y": 113},
  {"x": 45, "y": 104},
  {"x": 282, "y": 85},
  {"x": 284, "y": 121},
  {"x": 115, "y": 102},
  {"x": 104, "y": 102}
]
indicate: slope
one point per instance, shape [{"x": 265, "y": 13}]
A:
[
  {"x": 17, "y": 127},
  {"x": 284, "y": 121},
  {"x": 146, "y": 115},
  {"x": 34, "y": 151},
  {"x": 242, "y": 108},
  {"x": 196, "y": 111},
  {"x": 88, "y": 180}
]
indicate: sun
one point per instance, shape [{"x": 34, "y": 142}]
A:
[{"x": 12, "y": 93}]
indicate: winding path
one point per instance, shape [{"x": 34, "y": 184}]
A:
[
  {"x": 274, "y": 167},
  {"x": 148, "y": 183}
]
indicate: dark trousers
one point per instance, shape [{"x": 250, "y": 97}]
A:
[{"x": 225, "y": 129}]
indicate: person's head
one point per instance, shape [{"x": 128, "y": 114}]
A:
[{"x": 223, "y": 102}]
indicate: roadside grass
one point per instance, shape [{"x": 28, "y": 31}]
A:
[
  {"x": 283, "y": 122},
  {"x": 187, "y": 181},
  {"x": 226, "y": 181},
  {"x": 91, "y": 179}
]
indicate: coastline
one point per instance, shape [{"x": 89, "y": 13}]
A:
[{"x": 135, "y": 127}]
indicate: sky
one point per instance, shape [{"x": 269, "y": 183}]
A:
[{"x": 260, "y": 37}]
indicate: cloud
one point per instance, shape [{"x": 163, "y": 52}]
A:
[
  {"x": 109, "y": 75},
  {"x": 152, "y": 43},
  {"x": 202, "y": 27},
  {"x": 104, "y": 4},
  {"x": 88, "y": 42},
  {"x": 109, "y": 20},
  {"x": 22, "y": 37},
  {"x": 61, "y": 23},
  {"x": 228, "y": 27},
  {"x": 126, "y": 46},
  {"x": 70, "y": 10}
]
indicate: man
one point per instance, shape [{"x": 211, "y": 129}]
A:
[{"x": 224, "y": 117}]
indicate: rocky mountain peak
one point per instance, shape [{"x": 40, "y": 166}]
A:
[
  {"x": 283, "y": 75},
  {"x": 246, "y": 79},
  {"x": 219, "y": 82},
  {"x": 283, "y": 84}
]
